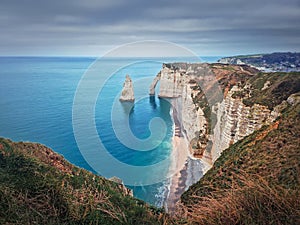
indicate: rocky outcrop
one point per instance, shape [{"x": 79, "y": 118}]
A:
[
  {"x": 294, "y": 99},
  {"x": 127, "y": 94},
  {"x": 171, "y": 82},
  {"x": 122, "y": 186}
]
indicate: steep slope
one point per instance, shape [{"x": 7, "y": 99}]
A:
[
  {"x": 255, "y": 181},
  {"x": 38, "y": 186}
]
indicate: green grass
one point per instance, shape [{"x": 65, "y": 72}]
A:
[
  {"x": 37, "y": 186},
  {"x": 282, "y": 86}
]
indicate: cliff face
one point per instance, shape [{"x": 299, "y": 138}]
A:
[
  {"x": 177, "y": 81},
  {"x": 153, "y": 84},
  {"x": 193, "y": 120},
  {"x": 236, "y": 120},
  {"x": 250, "y": 101},
  {"x": 127, "y": 94},
  {"x": 172, "y": 82}
]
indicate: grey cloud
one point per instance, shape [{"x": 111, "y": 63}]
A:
[{"x": 88, "y": 27}]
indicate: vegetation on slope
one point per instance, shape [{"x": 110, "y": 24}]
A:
[
  {"x": 255, "y": 181},
  {"x": 281, "y": 86},
  {"x": 37, "y": 186}
]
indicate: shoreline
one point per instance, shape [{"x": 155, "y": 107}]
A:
[
  {"x": 184, "y": 168},
  {"x": 178, "y": 166}
]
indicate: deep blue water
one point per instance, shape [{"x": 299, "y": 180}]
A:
[{"x": 36, "y": 99}]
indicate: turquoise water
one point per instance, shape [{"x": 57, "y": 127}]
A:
[{"x": 36, "y": 99}]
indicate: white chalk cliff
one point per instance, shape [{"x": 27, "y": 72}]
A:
[
  {"x": 127, "y": 94},
  {"x": 172, "y": 82},
  {"x": 175, "y": 83},
  {"x": 234, "y": 120},
  {"x": 153, "y": 84},
  {"x": 211, "y": 121}
]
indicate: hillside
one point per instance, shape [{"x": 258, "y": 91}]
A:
[
  {"x": 38, "y": 186},
  {"x": 278, "y": 61},
  {"x": 254, "y": 181}
]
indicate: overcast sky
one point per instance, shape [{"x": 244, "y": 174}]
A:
[{"x": 93, "y": 27}]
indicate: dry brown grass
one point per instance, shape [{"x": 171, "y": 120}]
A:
[{"x": 251, "y": 200}]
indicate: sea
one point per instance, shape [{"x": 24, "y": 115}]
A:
[{"x": 36, "y": 105}]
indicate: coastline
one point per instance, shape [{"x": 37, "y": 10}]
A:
[
  {"x": 178, "y": 167},
  {"x": 184, "y": 169}
]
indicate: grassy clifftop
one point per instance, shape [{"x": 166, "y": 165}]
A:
[{"x": 38, "y": 186}]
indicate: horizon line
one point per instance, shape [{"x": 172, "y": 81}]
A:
[{"x": 100, "y": 56}]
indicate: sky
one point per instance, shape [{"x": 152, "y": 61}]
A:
[{"x": 94, "y": 27}]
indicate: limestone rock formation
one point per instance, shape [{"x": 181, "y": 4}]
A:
[
  {"x": 192, "y": 119},
  {"x": 127, "y": 94},
  {"x": 175, "y": 83},
  {"x": 153, "y": 84},
  {"x": 180, "y": 82},
  {"x": 212, "y": 124},
  {"x": 172, "y": 82}
]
